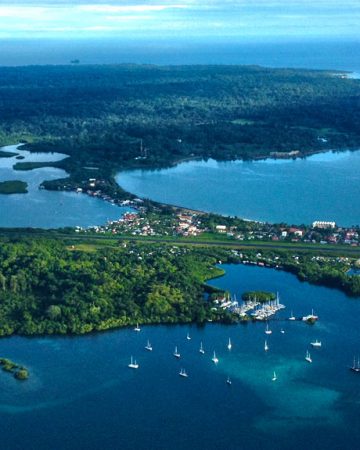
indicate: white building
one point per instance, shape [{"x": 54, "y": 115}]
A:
[{"x": 322, "y": 224}]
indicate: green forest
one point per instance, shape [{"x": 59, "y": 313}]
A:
[
  {"x": 56, "y": 286},
  {"x": 118, "y": 116},
  {"x": 47, "y": 287}
]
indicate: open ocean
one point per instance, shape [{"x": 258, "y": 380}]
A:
[{"x": 341, "y": 55}]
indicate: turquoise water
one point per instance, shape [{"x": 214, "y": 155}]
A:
[
  {"x": 320, "y": 187},
  {"x": 45, "y": 209},
  {"x": 81, "y": 395}
]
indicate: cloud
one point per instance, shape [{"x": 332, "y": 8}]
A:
[
  {"x": 122, "y": 18},
  {"x": 127, "y": 8}
]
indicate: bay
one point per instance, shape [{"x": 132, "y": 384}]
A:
[
  {"x": 84, "y": 395},
  {"x": 324, "y": 186},
  {"x": 48, "y": 209}
]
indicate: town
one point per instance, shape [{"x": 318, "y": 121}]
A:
[{"x": 146, "y": 218}]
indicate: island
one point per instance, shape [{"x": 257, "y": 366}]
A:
[
  {"x": 19, "y": 372},
  {"x": 13, "y": 187},
  {"x": 259, "y": 296}
]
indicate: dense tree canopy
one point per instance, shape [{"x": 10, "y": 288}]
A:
[
  {"x": 46, "y": 287},
  {"x": 100, "y": 114}
]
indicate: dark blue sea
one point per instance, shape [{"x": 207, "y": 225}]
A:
[{"x": 82, "y": 395}]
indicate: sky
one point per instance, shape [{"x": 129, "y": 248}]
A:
[{"x": 165, "y": 19}]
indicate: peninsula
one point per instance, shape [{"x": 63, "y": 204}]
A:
[{"x": 126, "y": 116}]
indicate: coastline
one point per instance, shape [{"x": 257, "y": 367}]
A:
[{"x": 122, "y": 195}]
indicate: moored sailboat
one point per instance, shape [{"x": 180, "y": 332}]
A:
[
  {"x": 214, "y": 359},
  {"x": 229, "y": 346},
  {"x": 183, "y": 373},
  {"x": 292, "y": 317},
  {"x": 356, "y": 366},
  {"x": 133, "y": 364},
  {"x": 310, "y": 318},
  {"x": 176, "y": 353}
]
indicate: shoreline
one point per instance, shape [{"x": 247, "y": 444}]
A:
[
  {"x": 301, "y": 155},
  {"x": 132, "y": 196}
]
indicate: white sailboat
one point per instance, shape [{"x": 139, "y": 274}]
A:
[
  {"x": 229, "y": 346},
  {"x": 308, "y": 357},
  {"x": 214, "y": 359},
  {"x": 188, "y": 337},
  {"x": 201, "y": 349},
  {"x": 311, "y": 318},
  {"x": 268, "y": 331},
  {"x": 356, "y": 366},
  {"x": 282, "y": 331},
  {"x": 266, "y": 347},
  {"x": 292, "y": 317},
  {"x": 148, "y": 346},
  {"x": 183, "y": 373},
  {"x": 133, "y": 364},
  {"x": 316, "y": 343},
  {"x": 176, "y": 353},
  {"x": 228, "y": 381},
  {"x": 137, "y": 328},
  {"x": 274, "y": 378}
]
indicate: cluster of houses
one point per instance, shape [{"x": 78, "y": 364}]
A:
[
  {"x": 188, "y": 225},
  {"x": 97, "y": 187},
  {"x": 185, "y": 223},
  {"x": 320, "y": 232}
]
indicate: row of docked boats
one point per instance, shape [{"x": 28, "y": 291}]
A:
[{"x": 267, "y": 309}]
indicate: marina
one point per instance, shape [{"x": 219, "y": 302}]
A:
[{"x": 251, "y": 308}]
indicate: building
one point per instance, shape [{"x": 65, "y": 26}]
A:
[{"x": 323, "y": 225}]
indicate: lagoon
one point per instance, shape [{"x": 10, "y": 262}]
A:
[
  {"x": 47, "y": 209},
  {"x": 323, "y": 186},
  {"x": 84, "y": 396}
]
